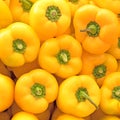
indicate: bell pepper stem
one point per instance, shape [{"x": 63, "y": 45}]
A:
[
  {"x": 53, "y": 13},
  {"x": 26, "y": 5},
  {"x": 92, "y": 29},
  {"x": 63, "y": 56},
  {"x": 19, "y": 46},
  {"x": 89, "y": 99},
  {"x": 38, "y": 90},
  {"x": 99, "y": 71},
  {"x": 116, "y": 93},
  {"x": 82, "y": 95}
]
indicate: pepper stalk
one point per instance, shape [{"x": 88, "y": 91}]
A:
[
  {"x": 82, "y": 95},
  {"x": 92, "y": 29}
]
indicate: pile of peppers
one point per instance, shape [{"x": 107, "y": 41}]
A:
[{"x": 60, "y": 59}]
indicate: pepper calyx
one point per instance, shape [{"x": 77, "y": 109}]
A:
[
  {"x": 82, "y": 95},
  {"x": 92, "y": 29},
  {"x": 26, "y": 5},
  {"x": 53, "y": 13},
  {"x": 38, "y": 90},
  {"x": 19, "y": 46},
  {"x": 116, "y": 93},
  {"x": 99, "y": 71},
  {"x": 63, "y": 56}
]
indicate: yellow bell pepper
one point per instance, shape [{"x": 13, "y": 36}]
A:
[
  {"x": 95, "y": 28},
  {"x": 22, "y": 115},
  {"x": 61, "y": 56},
  {"x": 110, "y": 94},
  {"x": 7, "y": 92},
  {"x": 113, "y": 5},
  {"x": 75, "y": 4},
  {"x": 78, "y": 96},
  {"x": 35, "y": 90},
  {"x": 98, "y": 66},
  {"x": 5, "y": 15},
  {"x": 50, "y": 18},
  {"x": 20, "y": 9},
  {"x": 19, "y": 44}
]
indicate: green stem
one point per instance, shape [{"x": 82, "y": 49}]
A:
[
  {"x": 53, "y": 13},
  {"x": 82, "y": 95},
  {"x": 99, "y": 71},
  {"x": 116, "y": 92},
  {"x": 63, "y": 56},
  {"x": 92, "y": 29},
  {"x": 19, "y": 46},
  {"x": 26, "y": 5},
  {"x": 38, "y": 90}
]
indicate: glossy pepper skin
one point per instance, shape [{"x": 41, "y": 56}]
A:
[
  {"x": 7, "y": 92},
  {"x": 113, "y": 5},
  {"x": 20, "y": 9},
  {"x": 96, "y": 32},
  {"x": 78, "y": 96},
  {"x": 50, "y": 18},
  {"x": 98, "y": 66},
  {"x": 35, "y": 90},
  {"x": 24, "y": 115},
  {"x": 110, "y": 94},
  {"x": 19, "y": 44},
  {"x": 61, "y": 56},
  {"x": 7, "y": 2},
  {"x": 6, "y": 16}
]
